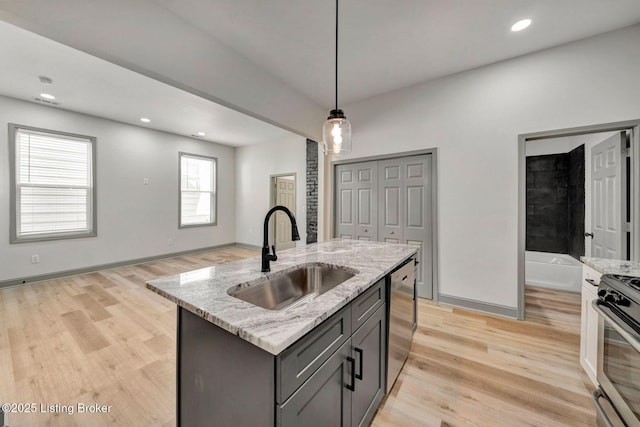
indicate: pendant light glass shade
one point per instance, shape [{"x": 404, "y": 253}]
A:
[{"x": 336, "y": 133}]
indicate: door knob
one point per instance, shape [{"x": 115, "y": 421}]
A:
[
  {"x": 365, "y": 230},
  {"x": 392, "y": 232},
  {"x": 588, "y": 235}
]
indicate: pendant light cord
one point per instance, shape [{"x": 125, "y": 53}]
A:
[{"x": 336, "y": 54}]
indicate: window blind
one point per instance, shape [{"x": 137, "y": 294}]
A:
[
  {"x": 53, "y": 184},
  {"x": 197, "y": 187}
]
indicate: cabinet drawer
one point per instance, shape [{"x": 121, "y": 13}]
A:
[
  {"x": 366, "y": 304},
  {"x": 297, "y": 363}
]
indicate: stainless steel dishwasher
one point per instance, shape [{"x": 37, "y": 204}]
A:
[{"x": 402, "y": 316}]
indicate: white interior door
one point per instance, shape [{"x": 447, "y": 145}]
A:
[
  {"x": 606, "y": 198},
  {"x": 285, "y": 195}
]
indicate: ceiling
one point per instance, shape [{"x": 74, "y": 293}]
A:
[
  {"x": 384, "y": 45},
  {"x": 86, "y": 84},
  {"x": 390, "y": 44}
]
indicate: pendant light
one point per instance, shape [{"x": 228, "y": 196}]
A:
[{"x": 336, "y": 132}]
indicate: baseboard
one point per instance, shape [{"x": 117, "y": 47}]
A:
[
  {"x": 248, "y": 246},
  {"x": 485, "y": 307},
  {"x": 94, "y": 268}
]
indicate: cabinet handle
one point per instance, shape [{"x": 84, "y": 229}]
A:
[
  {"x": 593, "y": 282},
  {"x": 361, "y": 353},
  {"x": 352, "y": 386}
]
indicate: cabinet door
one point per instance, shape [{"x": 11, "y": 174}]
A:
[
  {"x": 589, "y": 325},
  {"x": 369, "y": 348},
  {"x": 323, "y": 400}
]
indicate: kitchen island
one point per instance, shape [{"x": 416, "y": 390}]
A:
[{"x": 241, "y": 364}]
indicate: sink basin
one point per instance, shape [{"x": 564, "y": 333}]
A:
[{"x": 284, "y": 289}]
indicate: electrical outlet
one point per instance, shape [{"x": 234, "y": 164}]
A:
[
  {"x": 35, "y": 259},
  {"x": 170, "y": 242},
  {"x": 145, "y": 181}
]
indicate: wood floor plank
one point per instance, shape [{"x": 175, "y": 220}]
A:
[
  {"x": 84, "y": 333},
  {"x": 94, "y": 309},
  {"x": 101, "y": 295}
]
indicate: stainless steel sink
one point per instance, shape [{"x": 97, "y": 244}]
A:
[{"x": 284, "y": 289}]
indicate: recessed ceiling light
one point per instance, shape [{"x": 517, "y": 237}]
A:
[
  {"x": 45, "y": 80},
  {"x": 521, "y": 25},
  {"x": 201, "y": 134},
  {"x": 145, "y": 120},
  {"x": 47, "y": 96}
]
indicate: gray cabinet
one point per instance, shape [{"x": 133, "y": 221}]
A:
[
  {"x": 347, "y": 388},
  {"x": 333, "y": 376}
]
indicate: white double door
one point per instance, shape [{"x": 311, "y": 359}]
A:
[{"x": 389, "y": 201}]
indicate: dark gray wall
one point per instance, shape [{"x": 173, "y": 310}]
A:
[
  {"x": 547, "y": 203},
  {"x": 555, "y": 203},
  {"x": 576, "y": 202}
]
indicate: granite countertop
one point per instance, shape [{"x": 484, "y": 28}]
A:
[
  {"x": 612, "y": 266},
  {"x": 204, "y": 291}
]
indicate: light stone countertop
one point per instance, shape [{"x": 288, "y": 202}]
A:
[
  {"x": 613, "y": 266},
  {"x": 204, "y": 291}
]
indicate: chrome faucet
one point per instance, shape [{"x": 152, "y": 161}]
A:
[{"x": 266, "y": 256}]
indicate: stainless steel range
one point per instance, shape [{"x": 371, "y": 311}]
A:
[{"x": 618, "y": 305}]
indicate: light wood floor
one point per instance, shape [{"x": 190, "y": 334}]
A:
[
  {"x": 104, "y": 338},
  {"x": 471, "y": 369}
]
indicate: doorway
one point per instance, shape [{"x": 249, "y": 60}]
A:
[
  {"x": 576, "y": 198},
  {"x": 283, "y": 193}
]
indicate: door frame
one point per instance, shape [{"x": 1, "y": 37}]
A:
[
  {"x": 273, "y": 201},
  {"x": 329, "y": 182},
  {"x": 631, "y": 125}
]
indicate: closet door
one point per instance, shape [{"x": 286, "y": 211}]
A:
[
  {"x": 356, "y": 201},
  {"x": 418, "y": 221},
  {"x": 404, "y": 185},
  {"x": 391, "y": 207},
  {"x": 389, "y": 201}
]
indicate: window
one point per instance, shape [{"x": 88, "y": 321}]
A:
[
  {"x": 53, "y": 193},
  {"x": 197, "y": 190}
]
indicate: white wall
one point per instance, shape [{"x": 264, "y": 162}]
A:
[
  {"x": 255, "y": 165},
  {"x": 474, "y": 118},
  {"x": 134, "y": 220}
]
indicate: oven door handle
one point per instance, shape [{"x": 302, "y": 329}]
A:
[{"x": 633, "y": 341}]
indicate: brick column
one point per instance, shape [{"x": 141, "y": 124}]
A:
[{"x": 312, "y": 191}]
